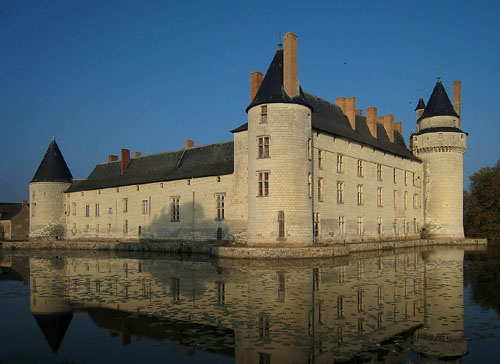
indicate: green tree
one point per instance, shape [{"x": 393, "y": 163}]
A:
[{"x": 482, "y": 204}]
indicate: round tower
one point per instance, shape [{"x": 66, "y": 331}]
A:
[
  {"x": 279, "y": 130},
  {"x": 46, "y": 189},
  {"x": 440, "y": 143}
]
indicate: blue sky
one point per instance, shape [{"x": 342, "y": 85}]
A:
[{"x": 146, "y": 75}]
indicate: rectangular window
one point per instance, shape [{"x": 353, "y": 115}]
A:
[
  {"x": 320, "y": 189},
  {"x": 33, "y": 209},
  {"x": 340, "y": 306},
  {"x": 125, "y": 204},
  {"x": 380, "y": 226},
  {"x": 97, "y": 209},
  {"x": 145, "y": 207},
  {"x": 360, "y": 225},
  {"x": 341, "y": 225},
  {"x": 316, "y": 225},
  {"x": 309, "y": 149},
  {"x": 264, "y": 326},
  {"x": 406, "y": 178},
  {"x": 110, "y": 211},
  {"x": 220, "y": 202},
  {"x": 264, "y": 358},
  {"x": 360, "y": 194},
  {"x": 360, "y": 168},
  {"x": 263, "y": 142},
  {"x": 320, "y": 159},
  {"x": 379, "y": 172},
  {"x": 281, "y": 224},
  {"x": 360, "y": 300},
  {"x": 340, "y": 192},
  {"x": 87, "y": 210},
  {"x": 175, "y": 209},
  {"x": 221, "y": 293},
  {"x": 263, "y": 114},
  {"x": 309, "y": 184},
  {"x": 406, "y": 200},
  {"x": 125, "y": 227},
  {"x": 340, "y": 163},
  {"x": 394, "y": 175},
  {"x": 175, "y": 290},
  {"x": 415, "y": 201},
  {"x": 395, "y": 198},
  {"x": 380, "y": 197},
  {"x": 415, "y": 225},
  {"x": 396, "y": 227},
  {"x": 406, "y": 226},
  {"x": 263, "y": 184},
  {"x": 74, "y": 208}
]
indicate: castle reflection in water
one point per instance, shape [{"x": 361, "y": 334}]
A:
[{"x": 261, "y": 311}]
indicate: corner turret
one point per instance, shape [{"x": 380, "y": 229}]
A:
[{"x": 47, "y": 207}]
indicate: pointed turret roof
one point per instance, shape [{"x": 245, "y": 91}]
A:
[
  {"x": 272, "y": 90},
  {"x": 53, "y": 167},
  {"x": 54, "y": 327},
  {"x": 439, "y": 103},
  {"x": 421, "y": 104}
]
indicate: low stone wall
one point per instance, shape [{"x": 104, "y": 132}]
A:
[{"x": 242, "y": 252}]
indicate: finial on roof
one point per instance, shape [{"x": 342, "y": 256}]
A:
[
  {"x": 280, "y": 40},
  {"x": 53, "y": 138}
]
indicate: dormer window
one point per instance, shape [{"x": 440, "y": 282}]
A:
[{"x": 263, "y": 114}]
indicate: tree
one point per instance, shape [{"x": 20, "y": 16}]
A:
[{"x": 482, "y": 204}]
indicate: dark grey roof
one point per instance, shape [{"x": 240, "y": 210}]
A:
[
  {"x": 53, "y": 167},
  {"x": 54, "y": 327},
  {"x": 421, "y": 104},
  {"x": 439, "y": 103},
  {"x": 329, "y": 118},
  {"x": 208, "y": 160},
  {"x": 271, "y": 90},
  {"x": 9, "y": 210},
  {"x": 442, "y": 129}
]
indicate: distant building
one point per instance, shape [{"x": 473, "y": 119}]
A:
[
  {"x": 301, "y": 170},
  {"x": 14, "y": 221}
]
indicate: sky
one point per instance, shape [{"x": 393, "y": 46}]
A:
[{"x": 146, "y": 75}]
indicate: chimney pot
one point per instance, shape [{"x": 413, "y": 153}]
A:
[
  {"x": 371, "y": 120},
  {"x": 388, "y": 121},
  {"x": 189, "y": 143},
  {"x": 359, "y": 112},
  {"x": 290, "y": 67},
  {"x": 137, "y": 154},
  {"x": 125, "y": 160},
  {"x": 255, "y": 82},
  {"x": 112, "y": 158},
  {"x": 399, "y": 127},
  {"x": 457, "y": 99},
  {"x": 348, "y": 106}
]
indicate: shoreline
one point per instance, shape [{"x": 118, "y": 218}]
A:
[{"x": 242, "y": 251}]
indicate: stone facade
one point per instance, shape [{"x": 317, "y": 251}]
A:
[{"x": 296, "y": 179}]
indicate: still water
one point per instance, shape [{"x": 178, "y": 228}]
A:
[{"x": 411, "y": 306}]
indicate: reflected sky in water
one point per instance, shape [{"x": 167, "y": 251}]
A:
[{"x": 419, "y": 306}]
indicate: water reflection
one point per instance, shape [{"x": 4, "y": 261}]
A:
[{"x": 354, "y": 309}]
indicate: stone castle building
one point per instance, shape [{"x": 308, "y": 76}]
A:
[{"x": 301, "y": 170}]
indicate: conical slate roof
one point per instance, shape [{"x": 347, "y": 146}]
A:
[
  {"x": 53, "y": 167},
  {"x": 439, "y": 103},
  {"x": 54, "y": 327},
  {"x": 421, "y": 104},
  {"x": 272, "y": 90}
]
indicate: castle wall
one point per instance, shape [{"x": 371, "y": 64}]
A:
[
  {"x": 47, "y": 209},
  {"x": 145, "y": 212},
  {"x": 442, "y": 153},
  {"x": 399, "y": 219}
]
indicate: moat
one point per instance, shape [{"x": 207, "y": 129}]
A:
[{"x": 417, "y": 305}]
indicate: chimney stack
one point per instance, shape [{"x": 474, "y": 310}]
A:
[
  {"x": 125, "y": 159},
  {"x": 290, "y": 67},
  {"x": 255, "y": 82},
  {"x": 399, "y": 127},
  {"x": 457, "y": 99},
  {"x": 348, "y": 106},
  {"x": 189, "y": 143},
  {"x": 371, "y": 120},
  {"x": 359, "y": 112},
  {"x": 137, "y": 154},
  {"x": 388, "y": 121},
  {"x": 112, "y": 158}
]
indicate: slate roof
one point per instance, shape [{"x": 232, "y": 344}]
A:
[
  {"x": 54, "y": 327},
  {"x": 421, "y": 104},
  {"x": 203, "y": 161},
  {"x": 271, "y": 90},
  {"x": 9, "y": 210},
  {"x": 329, "y": 118},
  {"x": 439, "y": 103},
  {"x": 53, "y": 167}
]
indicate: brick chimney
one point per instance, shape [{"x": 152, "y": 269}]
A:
[
  {"x": 388, "y": 121},
  {"x": 399, "y": 127},
  {"x": 371, "y": 120},
  {"x": 137, "y": 154},
  {"x": 457, "y": 98},
  {"x": 125, "y": 159},
  {"x": 189, "y": 143},
  {"x": 112, "y": 158},
  {"x": 348, "y": 106},
  {"x": 359, "y": 112},
  {"x": 255, "y": 82},
  {"x": 290, "y": 67}
]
